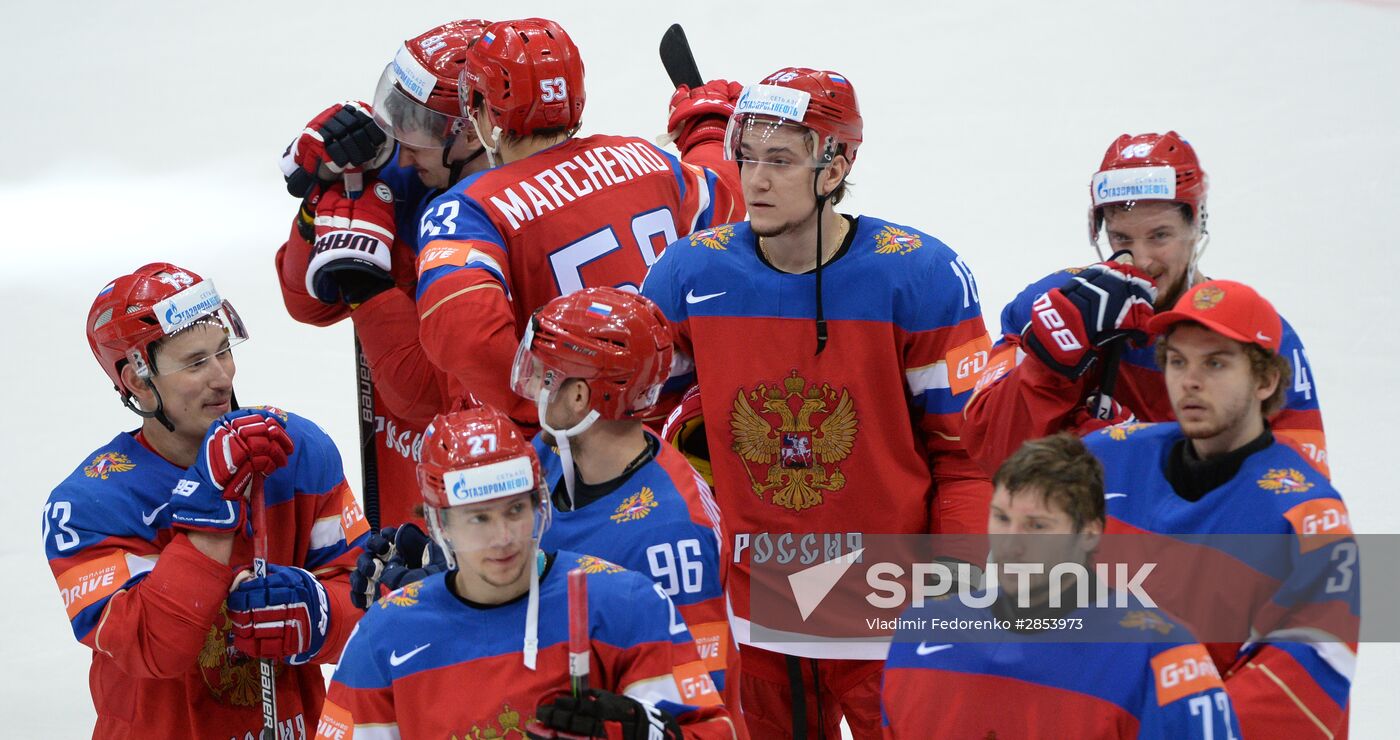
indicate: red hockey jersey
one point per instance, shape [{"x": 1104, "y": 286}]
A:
[
  {"x": 587, "y": 212},
  {"x": 1020, "y": 398},
  {"x": 151, "y": 606},
  {"x": 861, "y": 439}
]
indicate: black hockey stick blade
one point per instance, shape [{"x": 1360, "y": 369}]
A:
[{"x": 676, "y": 57}]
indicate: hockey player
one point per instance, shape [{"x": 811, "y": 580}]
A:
[
  {"x": 501, "y": 613},
  {"x": 835, "y": 412},
  {"x": 147, "y": 538},
  {"x": 355, "y": 257},
  {"x": 594, "y": 362},
  {"x": 1126, "y": 671},
  {"x": 1048, "y": 368},
  {"x": 560, "y": 213},
  {"x": 1291, "y": 596}
]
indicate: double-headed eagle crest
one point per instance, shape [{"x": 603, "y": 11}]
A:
[{"x": 815, "y": 430}]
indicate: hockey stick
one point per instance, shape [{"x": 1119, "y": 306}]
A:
[
  {"x": 1102, "y": 403},
  {"x": 369, "y": 463},
  {"x": 268, "y": 680},
  {"x": 677, "y": 59},
  {"x": 578, "y": 631}
]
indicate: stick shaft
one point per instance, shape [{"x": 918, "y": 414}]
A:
[
  {"x": 578, "y": 631},
  {"x": 369, "y": 461},
  {"x": 267, "y": 679}
]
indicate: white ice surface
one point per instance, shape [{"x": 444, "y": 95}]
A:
[{"x": 143, "y": 131}]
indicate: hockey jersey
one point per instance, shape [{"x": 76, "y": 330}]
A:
[
  {"x": 151, "y": 606},
  {"x": 1144, "y": 675},
  {"x": 1289, "y": 592},
  {"x": 663, "y": 522},
  {"x": 408, "y": 389},
  {"x": 424, "y": 663},
  {"x": 861, "y": 438},
  {"x": 587, "y": 212},
  {"x": 1017, "y": 401}
]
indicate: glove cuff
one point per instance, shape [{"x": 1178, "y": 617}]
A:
[{"x": 1042, "y": 353}]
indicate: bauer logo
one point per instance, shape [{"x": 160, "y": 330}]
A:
[
  {"x": 180, "y": 310},
  {"x": 488, "y": 482},
  {"x": 771, "y": 100},
  {"x": 1138, "y": 183}
]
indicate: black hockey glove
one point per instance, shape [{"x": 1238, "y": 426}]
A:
[
  {"x": 393, "y": 558},
  {"x": 603, "y": 714}
]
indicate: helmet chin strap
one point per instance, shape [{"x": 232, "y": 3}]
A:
[
  {"x": 531, "y": 648},
  {"x": 561, "y": 438},
  {"x": 493, "y": 149},
  {"x": 1197, "y": 252},
  {"x": 455, "y": 167}
]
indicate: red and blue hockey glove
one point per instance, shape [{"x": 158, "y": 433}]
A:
[
  {"x": 285, "y": 615},
  {"x": 393, "y": 558},
  {"x": 601, "y": 713},
  {"x": 700, "y": 115},
  {"x": 350, "y": 258},
  {"x": 212, "y": 495},
  {"x": 343, "y": 135},
  {"x": 1100, "y": 304}
]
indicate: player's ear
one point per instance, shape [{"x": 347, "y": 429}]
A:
[
  {"x": 139, "y": 387},
  {"x": 578, "y": 395},
  {"x": 834, "y": 173},
  {"x": 1090, "y": 535}
]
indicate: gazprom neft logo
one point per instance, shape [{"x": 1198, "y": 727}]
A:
[
  {"x": 180, "y": 310},
  {"x": 412, "y": 76},
  {"x": 772, "y": 100},
  {"x": 1137, "y": 183},
  {"x": 505, "y": 478}
]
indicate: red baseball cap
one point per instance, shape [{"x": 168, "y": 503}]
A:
[{"x": 1228, "y": 308}]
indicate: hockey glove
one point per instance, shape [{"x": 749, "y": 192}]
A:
[
  {"x": 350, "y": 258},
  {"x": 601, "y": 713},
  {"x": 343, "y": 135},
  {"x": 285, "y": 615},
  {"x": 701, "y": 115},
  {"x": 1100, "y": 304},
  {"x": 393, "y": 558},
  {"x": 212, "y": 495}
]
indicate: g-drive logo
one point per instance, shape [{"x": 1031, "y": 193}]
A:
[
  {"x": 178, "y": 311},
  {"x": 488, "y": 482},
  {"x": 1138, "y": 183}
]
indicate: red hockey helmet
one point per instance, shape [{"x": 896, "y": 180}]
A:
[
  {"x": 615, "y": 340},
  {"x": 474, "y": 455},
  {"x": 528, "y": 73},
  {"x": 137, "y": 310},
  {"x": 416, "y": 99},
  {"x": 1148, "y": 167},
  {"x": 824, "y": 102}
]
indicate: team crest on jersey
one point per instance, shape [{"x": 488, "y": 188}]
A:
[
  {"x": 1284, "y": 480},
  {"x": 791, "y": 437},
  {"x": 716, "y": 238},
  {"x": 636, "y": 506},
  {"x": 891, "y": 240},
  {"x": 406, "y": 596},
  {"x": 591, "y": 565},
  {"x": 107, "y": 463},
  {"x": 1207, "y": 297},
  {"x": 1145, "y": 619},
  {"x": 279, "y": 413},
  {"x": 232, "y": 677},
  {"x": 508, "y": 724},
  {"x": 1123, "y": 431}
]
